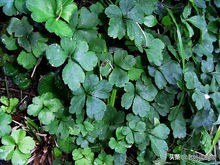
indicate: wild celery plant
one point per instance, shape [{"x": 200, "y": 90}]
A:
[{"x": 116, "y": 80}]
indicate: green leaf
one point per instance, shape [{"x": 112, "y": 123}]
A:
[
  {"x": 95, "y": 108},
  {"x": 73, "y": 75},
  {"x": 206, "y": 141},
  {"x": 20, "y": 5},
  {"x": 5, "y": 120},
  {"x": 161, "y": 131},
  {"x": 116, "y": 26},
  {"x": 198, "y": 22},
  {"x": 118, "y": 146},
  {"x": 118, "y": 77},
  {"x": 56, "y": 55},
  {"x": 41, "y": 10},
  {"x": 140, "y": 106},
  {"x": 103, "y": 158},
  {"x": 26, "y": 145},
  {"x": 27, "y": 60},
  {"x": 66, "y": 9},
  {"x": 59, "y": 27},
  {"x": 20, "y": 28},
  {"x": 77, "y": 103},
  {"x": 150, "y": 21},
  {"x": 178, "y": 123},
  {"x": 6, "y": 152},
  {"x": 19, "y": 158},
  {"x": 154, "y": 51},
  {"x": 10, "y": 42},
  {"x": 159, "y": 147},
  {"x": 160, "y": 80},
  {"x": 22, "y": 81},
  {"x": 8, "y": 7},
  {"x": 216, "y": 98},
  {"x": 86, "y": 59},
  {"x": 123, "y": 60},
  {"x": 18, "y": 135},
  {"x": 200, "y": 100},
  {"x": 191, "y": 80},
  {"x": 83, "y": 156},
  {"x": 38, "y": 44},
  {"x": 87, "y": 19},
  {"x": 128, "y": 97}
]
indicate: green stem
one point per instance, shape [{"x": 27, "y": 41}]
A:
[
  {"x": 181, "y": 53},
  {"x": 113, "y": 97},
  {"x": 180, "y": 42}
]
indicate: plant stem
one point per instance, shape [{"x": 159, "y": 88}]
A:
[{"x": 113, "y": 97}]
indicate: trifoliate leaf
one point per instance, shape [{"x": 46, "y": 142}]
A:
[
  {"x": 9, "y": 41},
  {"x": 59, "y": 27},
  {"x": 73, "y": 75},
  {"x": 103, "y": 158},
  {"x": 150, "y": 21},
  {"x": 20, "y": 28},
  {"x": 83, "y": 156},
  {"x": 154, "y": 51},
  {"x": 27, "y": 60},
  {"x": 5, "y": 120},
  {"x": 56, "y": 55},
  {"x": 8, "y": 7}
]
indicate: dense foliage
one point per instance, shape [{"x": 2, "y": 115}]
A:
[{"x": 109, "y": 82}]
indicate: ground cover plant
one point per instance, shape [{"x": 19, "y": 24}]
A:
[{"x": 109, "y": 82}]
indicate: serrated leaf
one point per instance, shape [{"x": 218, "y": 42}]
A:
[
  {"x": 123, "y": 60},
  {"x": 19, "y": 158},
  {"x": 95, "y": 108},
  {"x": 26, "y": 145},
  {"x": 128, "y": 97},
  {"x": 56, "y": 55},
  {"x": 18, "y": 135},
  {"x": 9, "y": 41},
  {"x": 118, "y": 77},
  {"x": 20, "y": 28},
  {"x": 86, "y": 59},
  {"x": 66, "y": 9},
  {"x": 87, "y": 19},
  {"x": 191, "y": 80},
  {"x": 73, "y": 75},
  {"x": 77, "y": 103},
  {"x": 159, "y": 147},
  {"x": 140, "y": 106},
  {"x": 199, "y": 98},
  {"x": 120, "y": 147},
  {"x": 59, "y": 27},
  {"x": 5, "y": 120},
  {"x": 154, "y": 51},
  {"x": 20, "y": 5},
  {"x": 8, "y": 7},
  {"x": 41, "y": 10},
  {"x": 161, "y": 131},
  {"x": 160, "y": 80},
  {"x": 27, "y": 60}
]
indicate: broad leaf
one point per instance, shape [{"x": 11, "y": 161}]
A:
[
  {"x": 73, "y": 75},
  {"x": 27, "y": 60}
]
